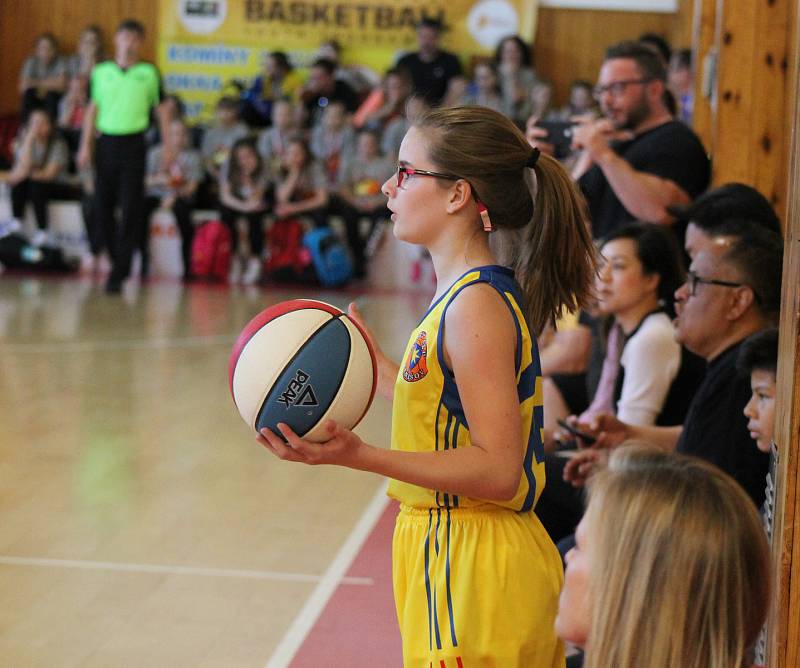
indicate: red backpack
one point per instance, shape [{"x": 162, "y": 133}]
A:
[
  {"x": 211, "y": 251},
  {"x": 289, "y": 259}
]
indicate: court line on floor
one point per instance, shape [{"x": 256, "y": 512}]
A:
[
  {"x": 175, "y": 570},
  {"x": 332, "y": 578},
  {"x": 119, "y": 344}
]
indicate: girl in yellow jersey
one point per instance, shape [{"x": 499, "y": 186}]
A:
[{"x": 476, "y": 577}]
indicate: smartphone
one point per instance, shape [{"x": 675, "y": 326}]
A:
[
  {"x": 559, "y": 134},
  {"x": 586, "y": 438}
]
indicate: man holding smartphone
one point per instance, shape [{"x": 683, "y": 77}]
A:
[{"x": 636, "y": 160}]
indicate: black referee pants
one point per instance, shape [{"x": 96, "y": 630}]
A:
[{"x": 120, "y": 163}]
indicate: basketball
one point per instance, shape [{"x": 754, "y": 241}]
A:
[{"x": 302, "y": 362}]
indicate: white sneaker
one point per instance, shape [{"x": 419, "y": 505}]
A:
[
  {"x": 253, "y": 271},
  {"x": 88, "y": 265},
  {"x": 104, "y": 264},
  {"x": 235, "y": 274}
]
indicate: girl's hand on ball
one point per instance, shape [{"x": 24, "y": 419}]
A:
[{"x": 342, "y": 448}]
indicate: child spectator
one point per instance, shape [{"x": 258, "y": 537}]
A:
[
  {"x": 43, "y": 78},
  {"x": 172, "y": 187},
  {"x": 323, "y": 88},
  {"x": 40, "y": 163},
  {"x": 385, "y": 103},
  {"x": 396, "y": 129},
  {"x": 302, "y": 190},
  {"x": 221, "y": 136},
  {"x": 244, "y": 188},
  {"x": 581, "y": 101},
  {"x": 758, "y": 360},
  {"x": 273, "y": 140},
  {"x": 278, "y": 80},
  {"x": 90, "y": 52},
  {"x": 680, "y": 80},
  {"x": 71, "y": 110},
  {"x": 359, "y": 193},
  {"x": 517, "y": 78},
  {"x": 174, "y": 108},
  {"x": 485, "y": 88},
  {"x": 360, "y": 78},
  {"x": 333, "y": 140}
]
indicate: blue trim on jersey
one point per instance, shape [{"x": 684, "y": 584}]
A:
[
  {"x": 436, "y": 534},
  {"x": 535, "y": 449},
  {"x": 494, "y": 267},
  {"x": 436, "y": 622},
  {"x": 447, "y": 582},
  {"x": 427, "y": 578},
  {"x": 455, "y": 445}
]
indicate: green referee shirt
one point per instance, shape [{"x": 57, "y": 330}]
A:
[{"x": 124, "y": 97}]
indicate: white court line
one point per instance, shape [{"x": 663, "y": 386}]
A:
[
  {"x": 175, "y": 570},
  {"x": 310, "y": 612},
  {"x": 119, "y": 344}
]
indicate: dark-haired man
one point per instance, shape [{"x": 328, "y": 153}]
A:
[
  {"x": 123, "y": 92},
  {"x": 322, "y": 88},
  {"x": 637, "y": 159},
  {"x": 430, "y": 68}
]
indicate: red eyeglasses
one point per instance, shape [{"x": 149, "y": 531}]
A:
[{"x": 404, "y": 171}]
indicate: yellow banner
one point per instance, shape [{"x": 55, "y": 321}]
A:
[{"x": 205, "y": 45}]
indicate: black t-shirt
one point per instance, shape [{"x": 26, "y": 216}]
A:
[
  {"x": 430, "y": 78},
  {"x": 342, "y": 92},
  {"x": 716, "y": 428},
  {"x": 671, "y": 151}
]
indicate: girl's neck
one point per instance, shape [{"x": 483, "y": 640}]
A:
[
  {"x": 454, "y": 257},
  {"x": 631, "y": 318}
]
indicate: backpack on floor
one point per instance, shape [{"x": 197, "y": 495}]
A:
[
  {"x": 329, "y": 255},
  {"x": 211, "y": 251},
  {"x": 287, "y": 258}
]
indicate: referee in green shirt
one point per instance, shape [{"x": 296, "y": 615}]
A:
[{"x": 123, "y": 91}]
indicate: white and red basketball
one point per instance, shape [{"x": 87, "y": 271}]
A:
[{"x": 302, "y": 362}]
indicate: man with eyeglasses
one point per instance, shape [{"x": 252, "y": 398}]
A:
[
  {"x": 732, "y": 291},
  {"x": 636, "y": 160}
]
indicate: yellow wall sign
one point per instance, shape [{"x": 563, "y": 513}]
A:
[{"x": 205, "y": 45}]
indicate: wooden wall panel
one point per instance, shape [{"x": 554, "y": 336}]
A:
[
  {"x": 570, "y": 42},
  {"x": 22, "y": 20}
]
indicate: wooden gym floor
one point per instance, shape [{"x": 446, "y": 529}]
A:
[{"x": 140, "y": 523}]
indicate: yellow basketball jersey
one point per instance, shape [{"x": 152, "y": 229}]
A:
[{"x": 427, "y": 413}]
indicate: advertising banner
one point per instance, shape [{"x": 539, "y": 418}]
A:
[{"x": 206, "y": 46}]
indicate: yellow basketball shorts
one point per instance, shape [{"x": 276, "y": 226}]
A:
[{"x": 476, "y": 588}]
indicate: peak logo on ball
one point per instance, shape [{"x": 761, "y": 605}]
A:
[
  {"x": 299, "y": 392},
  {"x": 416, "y": 367}
]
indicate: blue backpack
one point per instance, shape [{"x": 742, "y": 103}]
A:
[{"x": 329, "y": 256}]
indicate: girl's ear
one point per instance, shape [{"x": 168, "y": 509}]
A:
[{"x": 460, "y": 194}]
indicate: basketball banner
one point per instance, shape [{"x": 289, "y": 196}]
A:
[{"x": 205, "y": 46}]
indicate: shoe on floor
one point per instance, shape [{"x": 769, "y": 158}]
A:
[
  {"x": 253, "y": 271},
  {"x": 235, "y": 274}
]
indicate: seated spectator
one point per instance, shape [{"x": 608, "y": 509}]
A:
[
  {"x": 647, "y": 378},
  {"x": 90, "y": 52},
  {"x": 278, "y": 81},
  {"x": 173, "y": 187},
  {"x": 514, "y": 64},
  {"x": 333, "y": 140},
  {"x": 273, "y": 140},
  {"x": 541, "y": 101},
  {"x": 43, "y": 78},
  {"x": 173, "y": 108},
  {"x": 359, "y": 193},
  {"x": 396, "y": 129},
  {"x": 360, "y": 78},
  {"x": 71, "y": 110},
  {"x": 484, "y": 90},
  {"x": 732, "y": 291},
  {"x": 302, "y": 189},
  {"x": 385, "y": 103},
  {"x": 624, "y": 170},
  {"x": 671, "y": 567},
  {"x": 680, "y": 80},
  {"x": 430, "y": 68},
  {"x": 219, "y": 137},
  {"x": 38, "y": 174},
  {"x": 321, "y": 89},
  {"x": 581, "y": 102},
  {"x": 243, "y": 193},
  {"x": 457, "y": 89},
  {"x": 758, "y": 362}
]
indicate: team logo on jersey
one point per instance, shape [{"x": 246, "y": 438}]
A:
[{"x": 416, "y": 367}]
